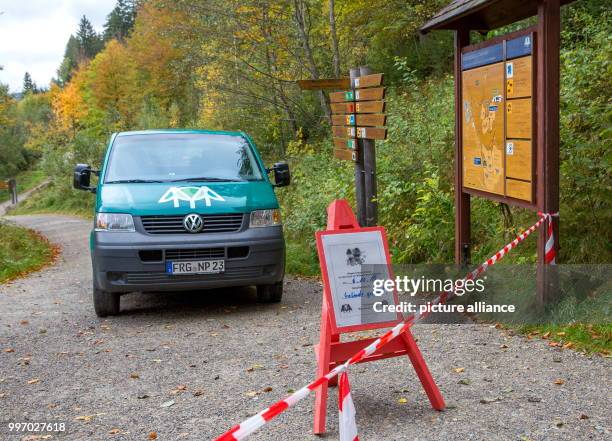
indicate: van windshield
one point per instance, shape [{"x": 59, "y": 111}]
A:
[{"x": 170, "y": 157}]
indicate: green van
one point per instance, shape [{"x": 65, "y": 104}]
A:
[{"x": 184, "y": 210}]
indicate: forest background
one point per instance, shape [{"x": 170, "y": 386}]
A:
[{"x": 232, "y": 65}]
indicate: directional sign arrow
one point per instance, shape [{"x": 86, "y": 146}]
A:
[
  {"x": 323, "y": 84},
  {"x": 368, "y": 120},
  {"x": 359, "y": 107},
  {"x": 371, "y": 133},
  {"x": 345, "y": 143},
  {"x": 343, "y": 132},
  {"x": 370, "y": 107},
  {"x": 373, "y": 80},
  {"x": 347, "y": 155}
]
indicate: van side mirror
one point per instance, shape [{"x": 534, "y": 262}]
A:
[
  {"x": 282, "y": 176},
  {"x": 82, "y": 178}
]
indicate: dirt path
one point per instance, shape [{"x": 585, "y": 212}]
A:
[
  {"x": 4, "y": 206},
  {"x": 114, "y": 375}
]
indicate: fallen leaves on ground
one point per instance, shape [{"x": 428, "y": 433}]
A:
[
  {"x": 134, "y": 375},
  {"x": 255, "y": 367},
  {"x": 88, "y": 418},
  {"x": 153, "y": 435},
  {"x": 559, "y": 381},
  {"x": 179, "y": 389},
  {"x": 402, "y": 401},
  {"x": 459, "y": 370},
  {"x": 114, "y": 431},
  {"x": 34, "y": 381},
  {"x": 267, "y": 389}
]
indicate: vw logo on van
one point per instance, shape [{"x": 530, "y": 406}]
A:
[{"x": 193, "y": 223}]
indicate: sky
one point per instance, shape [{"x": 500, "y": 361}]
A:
[{"x": 33, "y": 35}]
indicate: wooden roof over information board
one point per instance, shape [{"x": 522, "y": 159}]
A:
[{"x": 482, "y": 15}]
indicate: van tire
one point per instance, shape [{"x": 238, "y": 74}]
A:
[
  {"x": 105, "y": 303},
  {"x": 270, "y": 293}
]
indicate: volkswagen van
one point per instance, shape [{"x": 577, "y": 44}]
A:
[{"x": 184, "y": 210}]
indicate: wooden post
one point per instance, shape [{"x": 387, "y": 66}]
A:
[
  {"x": 360, "y": 194},
  {"x": 368, "y": 152},
  {"x": 547, "y": 46},
  {"x": 12, "y": 187},
  {"x": 462, "y": 200}
]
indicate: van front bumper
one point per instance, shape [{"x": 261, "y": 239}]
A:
[{"x": 253, "y": 256}]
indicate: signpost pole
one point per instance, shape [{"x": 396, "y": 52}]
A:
[
  {"x": 12, "y": 183},
  {"x": 368, "y": 152},
  {"x": 462, "y": 200},
  {"x": 548, "y": 139},
  {"x": 360, "y": 193}
]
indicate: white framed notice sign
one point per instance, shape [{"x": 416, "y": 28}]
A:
[{"x": 351, "y": 260}]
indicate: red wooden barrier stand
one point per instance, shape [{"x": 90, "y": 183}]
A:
[{"x": 331, "y": 351}]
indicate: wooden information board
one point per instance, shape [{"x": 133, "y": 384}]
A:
[{"x": 497, "y": 130}]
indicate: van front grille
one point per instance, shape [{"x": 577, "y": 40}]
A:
[
  {"x": 195, "y": 254},
  {"x": 158, "y": 278},
  {"x": 213, "y": 223}
]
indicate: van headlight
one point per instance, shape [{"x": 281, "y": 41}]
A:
[
  {"x": 265, "y": 218},
  {"x": 114, "y": 222}
]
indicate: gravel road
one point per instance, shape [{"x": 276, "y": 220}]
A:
[{"x": 190, "y": 365}]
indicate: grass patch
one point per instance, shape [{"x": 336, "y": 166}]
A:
[
  {"x": 588, "y": 338},
  {"x": 25, "y": 181},
  {"x": 22, "y": 251},
  {"x": 56, "y": 198},
  {"x": 301, "y": 260}
]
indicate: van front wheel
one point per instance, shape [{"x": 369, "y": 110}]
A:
[
  {"x": 270, "y": 293},
  {"x": 105, "y": 303}
]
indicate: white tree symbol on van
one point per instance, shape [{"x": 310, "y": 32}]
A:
[{"x": 191, "y": 195}]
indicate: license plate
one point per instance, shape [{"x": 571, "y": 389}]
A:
[{"x": 196, "y": 267}]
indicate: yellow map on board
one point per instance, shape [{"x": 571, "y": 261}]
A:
[{"x": 483, "y": 128}]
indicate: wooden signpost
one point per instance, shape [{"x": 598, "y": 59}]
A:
[
  {"x": 329, "y": 83},
  {"x": 506, "y": 142},
  {"x": 358, "y": 120}
]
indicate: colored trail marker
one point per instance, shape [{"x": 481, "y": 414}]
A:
[
  {"x": 374, "y": 120},
  {"x": 358, "y": 95},
  {"x": 371, "y": 133},
  {"x": 373, "y": 80},
  {"x": 345, "y": 143},
  {"x": 343, "y": 107},
  {"x": 370, "y": 107},
  {"x": 347, "y": 155},
  {"x": 344, "y": 132}
]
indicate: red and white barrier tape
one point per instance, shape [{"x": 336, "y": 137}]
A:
[
  {"x": 253, "y": 423},
  {"x": 346, "y": 410},
  {"x": 550, "y": 256}
]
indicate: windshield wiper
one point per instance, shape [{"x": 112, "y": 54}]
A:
[
  {"x": 206, "y": 178},
  {"x": 134, "y": 181}
]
